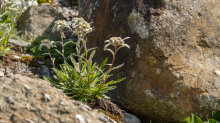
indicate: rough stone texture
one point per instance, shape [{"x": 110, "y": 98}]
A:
[
  {"x": 129, "y": 118},
  {"x": 66, "y": 3},
  {"x": 39, "y": 21},
  {"x": 1, "y": 74},
  {"x": 18, "y": 43},
  {"x": 68, "y": 12},
  {"x": 74, "y": 2},
  {"x": 26, "y": 100},
  {"x": 172, "y": 68},
  {"x": 68, "y": 8}
]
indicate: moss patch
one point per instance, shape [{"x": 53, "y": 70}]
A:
[
  {"x": 168, "y": 111},
  {"x": 27, "y": 59}
]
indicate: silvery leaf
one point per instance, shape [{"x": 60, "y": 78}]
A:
[
  {"x": 106, "y": 46},
  {"x": 111, "y": 51},
  {"x": 126, "y": 38},
  {"x": 45, "y": 54},
  {"x": 67, "y": 43},
  {"x": 124, "y": 45}
]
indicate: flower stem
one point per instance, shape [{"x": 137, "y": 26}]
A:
[
  {"x": 50, "y": 57},
  {"x": 61, "y": 31},
  {"x": 108, "y": 69},
  {"x": 79, "y": 57},
  {"x": 79, "y": 53},
  {"x": 87, "y": 65}
]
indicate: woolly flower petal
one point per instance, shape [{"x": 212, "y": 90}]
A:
[
  {"x": 107, "y": 41},
  {"x": 106, "y": 46},
  {"x": 126, "y": 45},
  {"x": 126, "y": 38}
]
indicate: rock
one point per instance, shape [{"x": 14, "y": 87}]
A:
[
  {"x": 74, "y": 2},
  {"x": 68, "y": 12},
  {"x": 67, "y": 3},
  {"x": 85, "y": 108},
  {"x": 8, "y": 70},
  {"x": 1, "y": 74},
  {"x": 174, "y": 52},
  {"x": 37, "y": 75},
  {"x": 45, "y": 71},
  {"x": 18, "y": 43},
  {"x": 17, "y": 57},
  {"x": 68, "y": 8},
  {"x": 31, "y": 68},
  {"x": 25, "y": 55},
  {"x": 33, "y": 100},
  {"x": 129, "y": 118},
  {"x": 39, "y": 21},
  {"x": 22, "y": 70},
  {"x": 52, "y": 72},
  {"x": 40, "y": 62},
  {"x": 9, "y": 75}
]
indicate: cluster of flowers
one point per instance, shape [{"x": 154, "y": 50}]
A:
[
  {"x": 82, "y": 28},
  {"x": 47, "y": 43},
  {"x": 116, "y": 41},
  {"x": 79, "y": 24}
]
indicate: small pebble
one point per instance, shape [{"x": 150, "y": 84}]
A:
[
  {"x": 40, "y": 62},
  {"x": 17, "y": 57},
  {"x": 1, "y": 74}
]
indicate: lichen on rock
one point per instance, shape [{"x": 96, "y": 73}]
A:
[{"x": 138, "y": 25}]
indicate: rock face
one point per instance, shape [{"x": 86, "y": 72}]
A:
[
  {"x": 35, "y": 101},
  {"x": 39, "y": 21},
  {"x": 130, "y": 118},
  {"x": 74, "y": 2},
  {"x": 172, "y": 68}
]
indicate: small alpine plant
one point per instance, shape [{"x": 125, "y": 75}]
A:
[{"x": 83, "y": 80}]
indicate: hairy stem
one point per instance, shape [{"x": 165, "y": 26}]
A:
[
  {"x": 61, "y": 31},
  {"x": 79, "y": 57},
  {"x": 79, "y": 53},
  {"x": 108, "y": 69},
  {"x": 87, "y": 65},
  {"x": 51, "y": 57}
]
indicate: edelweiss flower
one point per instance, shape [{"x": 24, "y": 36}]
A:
[
  {"x": 81, "y": 26},
  {"x": 47, "y": 43},
  {"x": 116, "y": 41},
  {"x": 60, "y": 24}
]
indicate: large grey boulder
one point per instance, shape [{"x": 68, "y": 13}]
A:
[
  {"x": 39, "y": 21},
  {"x": 27, "y": 100},
  {"x": 172, "y": 68}
]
